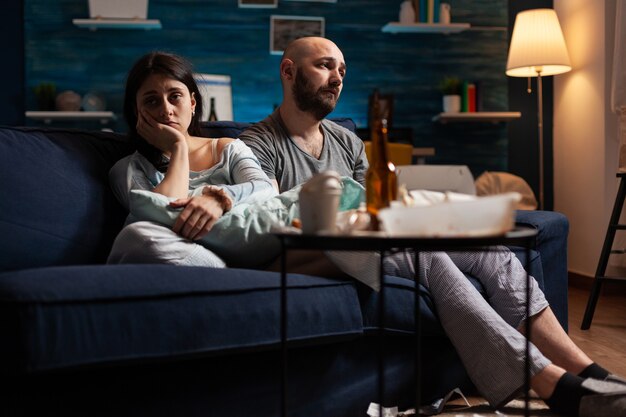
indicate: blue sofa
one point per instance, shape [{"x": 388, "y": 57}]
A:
[{"x": 78, "y": 337}]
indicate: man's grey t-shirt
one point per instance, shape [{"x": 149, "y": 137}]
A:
[{"x": 284, "y": 161}]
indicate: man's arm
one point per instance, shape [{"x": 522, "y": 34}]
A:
[{"x": 361, "y": 165}]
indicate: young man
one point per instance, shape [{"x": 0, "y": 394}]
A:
[{"x": 296, "y": 141}]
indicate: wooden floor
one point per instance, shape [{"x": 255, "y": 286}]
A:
[{"x": 604, "y": 342}]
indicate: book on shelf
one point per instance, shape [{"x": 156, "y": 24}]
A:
[
  {"x": 436, "y": 5},
  {"x": 430, "y": 10},
  {"x": 464, "y": 97},
  {"x": 471, "y": 97},
  {"x": 427, "y": 11},
  {"x": 423, "y": 11},
  {"x": 416, "y": 9},
  {"x": 479, "y": 95}
]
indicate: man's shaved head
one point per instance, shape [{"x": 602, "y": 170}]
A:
[
  {"x": 312, "y": 71},
  {"x": 302, "y": 47}
]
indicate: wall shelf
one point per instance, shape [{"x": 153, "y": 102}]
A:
[
  {"x": 396, "y": 27},
  {"x": 94, "y": 24},
  {"x": 49, "y": 116},
  {"x": 483, "y": 116}
]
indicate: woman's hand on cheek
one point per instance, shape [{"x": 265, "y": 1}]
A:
[
  {"x": 159, "y": 135},
  {"x": 198, "y": 216}
]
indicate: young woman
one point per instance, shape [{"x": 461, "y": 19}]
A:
[{"x": 203, "y": 177}]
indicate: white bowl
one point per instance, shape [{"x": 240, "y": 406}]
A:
[{"x": 484, "y": 216}]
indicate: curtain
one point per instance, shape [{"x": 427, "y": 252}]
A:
[
  {"x": 618, "y": 88},
  {"x": 618, "y": 105}
]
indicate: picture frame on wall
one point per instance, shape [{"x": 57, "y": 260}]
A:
[
  {"x": 284, "y": 29},
  {"x": 258, "y": 4},
  {"x": 316, "y": 1},
  {"x": 217, "y": 87}
]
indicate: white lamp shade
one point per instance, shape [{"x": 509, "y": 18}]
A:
[{"x": 537, "y": 44}]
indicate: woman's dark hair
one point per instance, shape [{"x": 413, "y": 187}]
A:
[{"x": 171, "y": 66}]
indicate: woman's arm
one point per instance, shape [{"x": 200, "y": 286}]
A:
[{"x": 175, "y": 184}]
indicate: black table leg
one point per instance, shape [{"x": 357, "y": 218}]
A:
[
  {"x": 418, "y": 336},
  {"x": 527, "y": 357},
  {"x": 283, "y": 329},
  {"x": 381, "y": 336}
]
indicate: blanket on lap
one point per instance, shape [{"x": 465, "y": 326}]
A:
[{"x": 242, "y": 235}]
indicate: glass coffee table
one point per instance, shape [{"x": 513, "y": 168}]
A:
[{"x": 384, "y": 245}]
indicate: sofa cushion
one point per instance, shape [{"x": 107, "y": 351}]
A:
[
  {"x": 553, "y": 230},
  {"x": 61, "y": 317},
  {"x": 56, "y": 207}
]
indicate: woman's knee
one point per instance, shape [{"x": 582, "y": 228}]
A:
[{"x": 135, "y": 243}]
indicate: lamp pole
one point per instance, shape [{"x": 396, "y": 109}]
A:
[{"x": 540, "y": 127}]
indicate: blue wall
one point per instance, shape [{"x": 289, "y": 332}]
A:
[
  {"x": 12, "y": 72},
  {"x": 218, "y": 37}
]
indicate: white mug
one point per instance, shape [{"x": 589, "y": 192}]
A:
[{"x": 319, "y": 203}]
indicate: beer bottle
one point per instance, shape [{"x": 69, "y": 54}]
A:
[
  {"x": 380, "y": 180},
  {"x": 212, "y": 114}
]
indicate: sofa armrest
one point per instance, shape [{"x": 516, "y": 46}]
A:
[{"x": 553, "y": 229}]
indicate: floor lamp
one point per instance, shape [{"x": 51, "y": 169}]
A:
[{"x": 537, "y": 50}]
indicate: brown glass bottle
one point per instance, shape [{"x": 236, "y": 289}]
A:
[
  {"x": 212, "y": 114},
  {"x": 381, "y": 184}
]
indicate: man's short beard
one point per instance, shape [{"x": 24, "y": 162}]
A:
[{"x": 313, "y": 102}]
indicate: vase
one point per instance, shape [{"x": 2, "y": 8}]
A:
[
  {"x": 451, "y": 103},
  {"x": 68, "y": 101},
  {"x": 407, "y": 13}
]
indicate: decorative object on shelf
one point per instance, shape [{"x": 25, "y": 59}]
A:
[
  {"x": 537, "y": 49},
  {"x": 118, "y": 14},
  {"x": 45, "y": 93},
  {"x": 118, "y": 9},
  {"x": 93, "y": 102},
  {"x": 452, "y": 103},
  {"x": 416, "y": 10},
  {"x": 315, "y": 1},
  {"x": 407, "y": 13},
  {"x": 212, "y": 113},
  {"x": 444, "y": 13},
  {"x": 451, "y": 89},
  {"x": 217, "y": 87},
  {"x": 258, "y": 4},
  {"x": 284, "y": 29},
  {"x": 68, "y": 100}
]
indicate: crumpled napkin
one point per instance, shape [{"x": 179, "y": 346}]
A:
[
  {"x": 421, "y": 198},
  {"x": 436, "y": 407}
]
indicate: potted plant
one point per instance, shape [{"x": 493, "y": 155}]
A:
[
  {"x": 451, "y": 89},
  {"x": 45, "y": 93}
]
